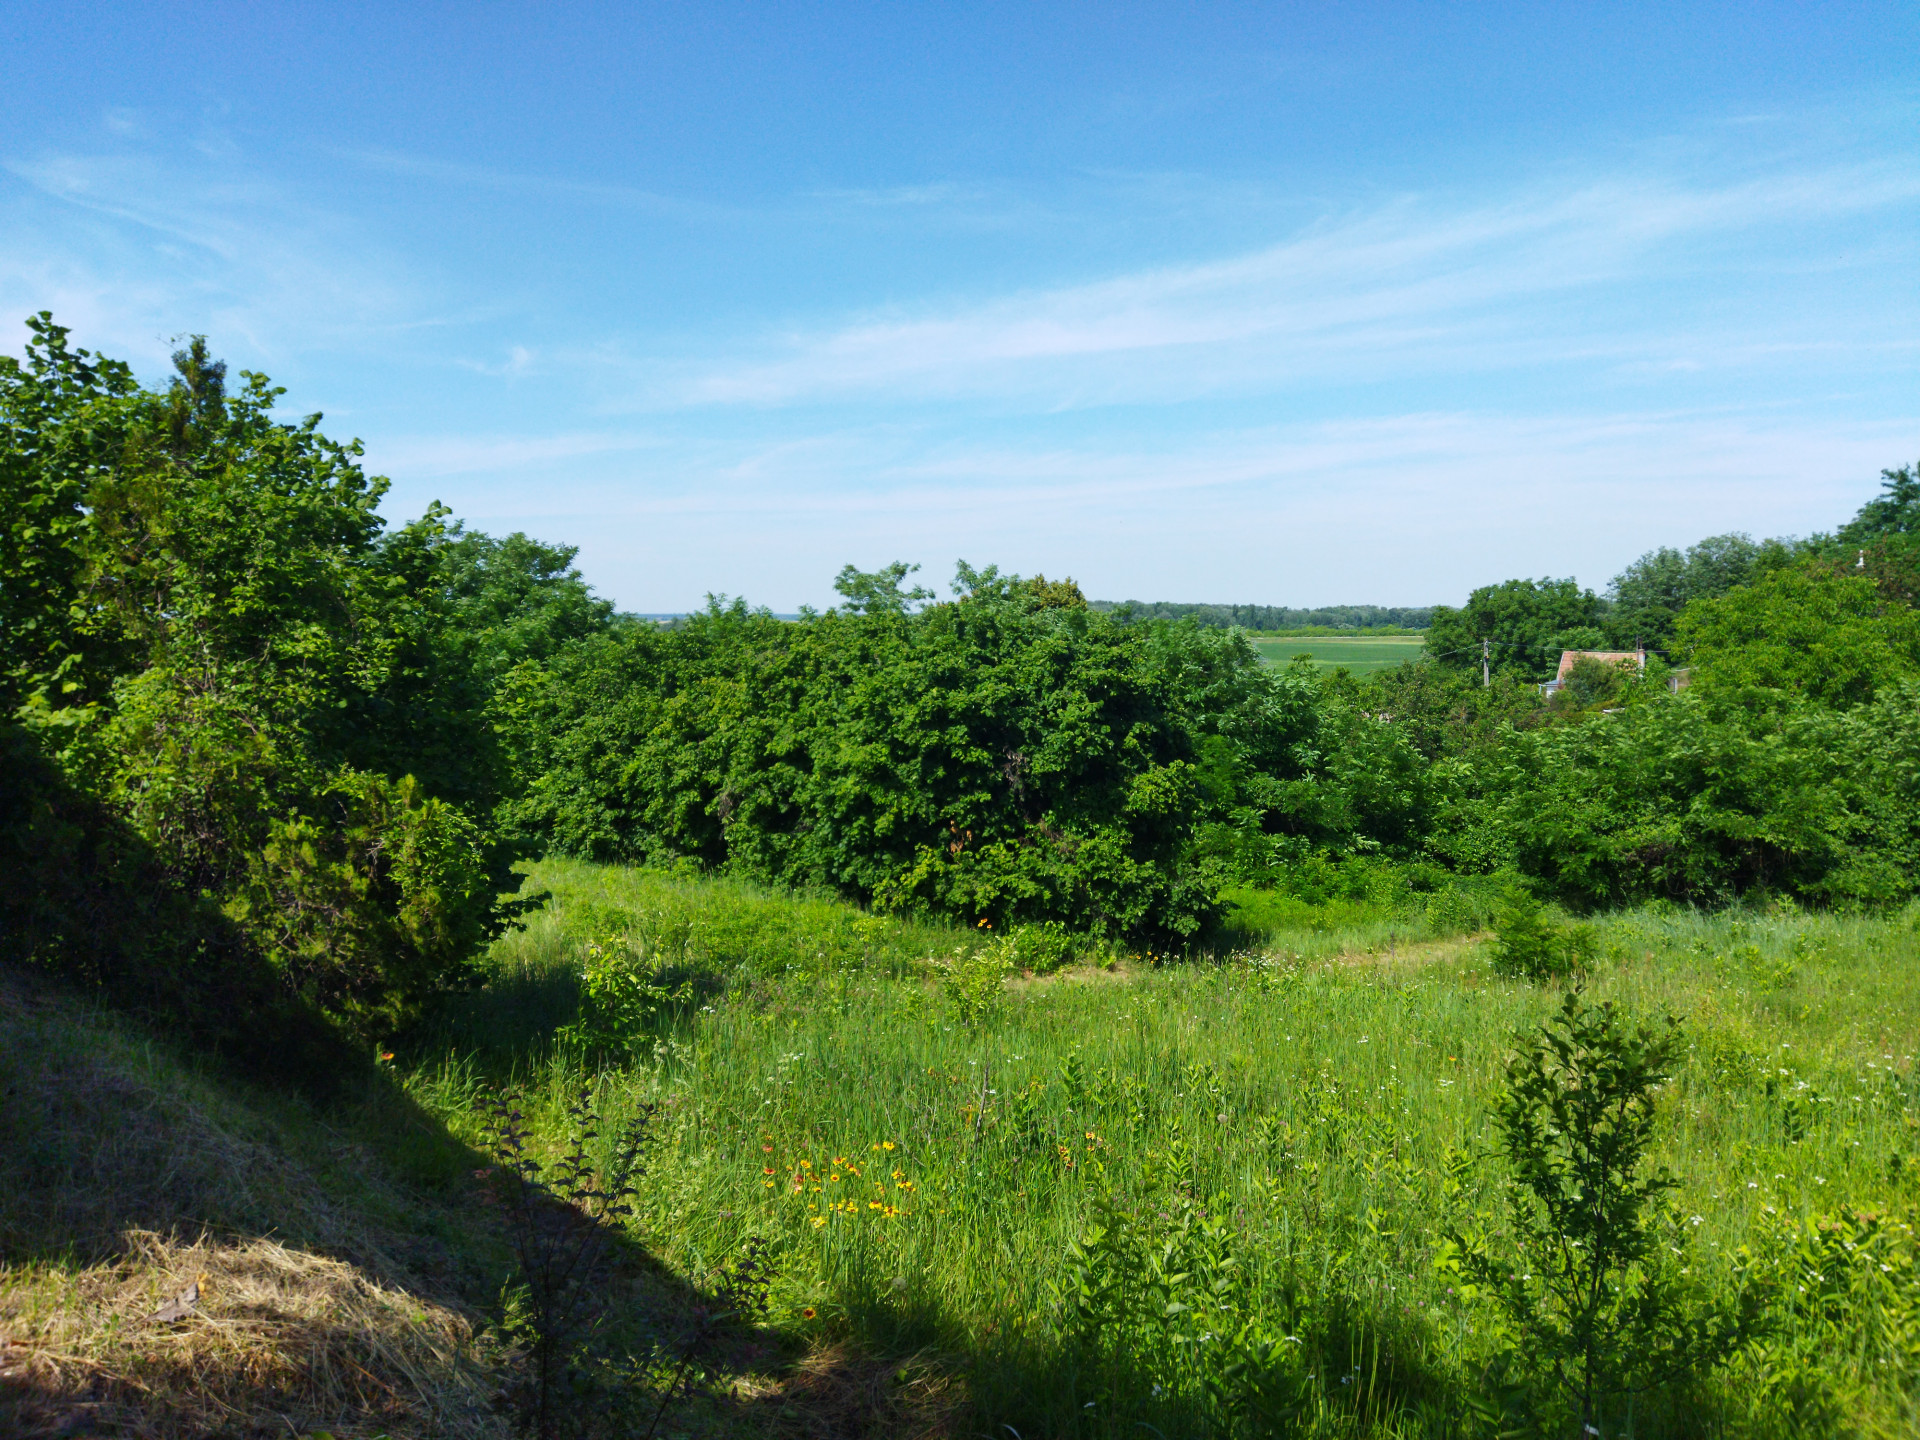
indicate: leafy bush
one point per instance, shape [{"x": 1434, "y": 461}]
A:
[
  {"x": 997, "y": 757},
  {"x": 375, "y": 906},
  {"x": 562, "y": 1220},
  {"x": 1043, "y": 948},
  {"x": 1687, "y": 800},
  {"x": 1456, "y": 910},
  {"x": 623, "y": 996},
  {"x": 1530, "y": 943},
  {"x": 974, "y": 981},
  {"x": 1805, "y": 630}
]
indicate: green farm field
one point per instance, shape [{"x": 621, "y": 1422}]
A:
[
  {"x": 1362, "y": 654},
  {"x": 1130, "y": 1198}
]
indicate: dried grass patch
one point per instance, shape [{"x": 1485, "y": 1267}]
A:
[{"x": 281, "y": 1341}]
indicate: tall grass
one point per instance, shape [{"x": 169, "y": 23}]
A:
[{"x": 1302, "y": 1124}]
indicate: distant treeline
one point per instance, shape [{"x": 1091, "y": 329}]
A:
[{"x": 1276, "y": 617}]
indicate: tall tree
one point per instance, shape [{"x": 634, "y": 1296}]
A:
[{"x": 1522, "y": 624}]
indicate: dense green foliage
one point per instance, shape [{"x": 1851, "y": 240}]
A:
[
  {"x": 1646, "y": 597},
  {"x": 237, "y": 689},
  {"x": 330, "y": 739},
  {"x": 986, "y": 758},
  {"x": 1803, "y": 631}
]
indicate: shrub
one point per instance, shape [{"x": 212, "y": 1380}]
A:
[
  {"x": 1041, "y": 949},
  {"x": 973, "y": 981},
  {"x": 1530, "y": 943},
  {"x": 374, "y": 906},
  {"x": 1695, "y": 801},
  {"x": 623, "y": 996},
  {"x": 1803, "y": 630},
  {"x": 1456, "y": 911}
]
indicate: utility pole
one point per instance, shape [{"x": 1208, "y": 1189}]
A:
[{"x": 1486, "y": 676}]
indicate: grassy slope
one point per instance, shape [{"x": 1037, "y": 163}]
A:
[
  {"x": 1321, "y": 1097},
  {"x": 348, "y": 1260},
  {"x": 923, "y": 1179}
]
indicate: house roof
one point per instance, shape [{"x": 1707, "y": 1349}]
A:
[{"x": 1612, "y": 657}]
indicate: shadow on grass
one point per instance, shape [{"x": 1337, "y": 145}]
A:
[{"x": 345, "y": 1259}]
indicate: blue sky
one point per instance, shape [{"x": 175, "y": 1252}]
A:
[{"x": 1281, "y": 303}]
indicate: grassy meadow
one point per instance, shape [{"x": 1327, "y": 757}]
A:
[
  {"x": 1362, "y": 654},
  {"x": 1077, "y": 1203}
]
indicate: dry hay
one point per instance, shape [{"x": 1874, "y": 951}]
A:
[{"x": 280, "y": 1342}]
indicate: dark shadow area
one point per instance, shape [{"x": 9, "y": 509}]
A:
[
  {"x": 83, "y": 898},
  {"x": 516, "y": 1016}
]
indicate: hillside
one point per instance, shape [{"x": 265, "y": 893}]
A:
[
  {"x": 344, "y": 1264},
  {"x": 1330, "y": 1085}
]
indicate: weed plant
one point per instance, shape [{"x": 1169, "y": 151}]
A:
[
  {"x": 1214, "y": 1198},
  {"x": 560, "y": 1219}
]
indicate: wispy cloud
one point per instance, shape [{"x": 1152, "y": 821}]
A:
[
  {"x": 1401, "y": 509},
  {"x": 1408, "y": 285},
  {"x": 133, "y": 248},
  {"x": 1038, "y": 425},
  {"x": 593, "y": 192},
  {"x": 437, "y": 456},
  {"x": 898, "y": 196}
]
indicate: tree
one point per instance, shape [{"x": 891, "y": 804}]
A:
[
  {"x": 513, "y": 598},
  {"x": 1806, "y": 630},
  {"x": 878, "y": 592},
  {"x": 1524, "y": 623},
  {"x": 63, "y": 418},
  {"x": 1645, "y": 597},
  {"x": 1895, "y": 511},
  {"x": 1882, "y": 542},
  {"x": 1591, "y": 1283},
  {"x": 225, "y": 658}
]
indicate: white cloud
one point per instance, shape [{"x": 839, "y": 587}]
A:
[
  {"x": 455, "y": 173},
  {"x": 130, "y": 250},
  {"x": 971, "y": 427},
  {"x": 1398, "y": 509},
  {"x": 435, "y": 456},
  {"x": 1404, "y": 288}
]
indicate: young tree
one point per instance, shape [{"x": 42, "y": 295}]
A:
[{"x": 1589, "y": 1285}]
